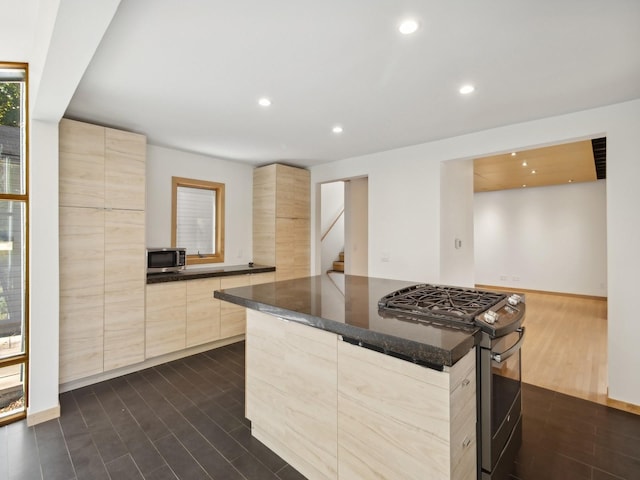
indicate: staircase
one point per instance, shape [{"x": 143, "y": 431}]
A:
[{"x": 338, "y": 265}]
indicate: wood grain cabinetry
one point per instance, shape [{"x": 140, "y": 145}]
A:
[
  {"x": 291, "y": 392},
  {"x": 102, "y": 245},
  {"x": 123, "y": 289},
  {"x": 81, "y": 292},
  {"x": 203, "y": 311},
  {"x": 281, "y": 219},
  {"x": 185, "y": 314},
  {"x": 166, "y": 318},
  {"x": 400, "y": 420},
  {"x": 335, "y": 410}
]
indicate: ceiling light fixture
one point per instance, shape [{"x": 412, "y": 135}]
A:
[
  {"x": 407, "y": 27},
  {"x": 337, "y": 129},
  {"x": 264, "y": 102},
  {"x": 524, "y": 185},
  {"x": 467, "y": 89},
  {"x": 524, "y": 163},
  {"x": 571, "y": 180},
  {"x": 513, "y": 154},
  {"x": 533, "y": 171}
]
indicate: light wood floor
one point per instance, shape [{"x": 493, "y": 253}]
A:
[{"x": 566, "y": 347}]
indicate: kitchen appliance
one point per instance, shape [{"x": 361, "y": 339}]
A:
[
  {"x": 162, "y": 260},
  {"x": 499, "y": 317}
]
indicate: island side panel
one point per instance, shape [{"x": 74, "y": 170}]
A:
[
  {"x": 291, "y": 392},
  {"x": 397, "y": 419},
  {"x": 335, "y": 410}
]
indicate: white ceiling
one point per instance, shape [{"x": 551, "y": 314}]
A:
[{"x": 189, "y": 74}]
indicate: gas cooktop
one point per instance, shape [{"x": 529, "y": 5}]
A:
[{"x": 452, "y": 306}]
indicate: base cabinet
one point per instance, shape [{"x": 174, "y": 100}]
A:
[
  {"x": 203, "y": 311},
  {"x": 335, "y": 410},
  {"x": 185, "y": 314}
]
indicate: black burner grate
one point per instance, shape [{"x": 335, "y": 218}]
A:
[{"x": 440, "y": 302}]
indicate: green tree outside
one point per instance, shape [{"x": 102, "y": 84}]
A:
[{"x": 10, "y": 104}]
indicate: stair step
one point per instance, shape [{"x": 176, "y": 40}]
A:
[
  {"x": 338, "y": 266},
  {"x": 341, "y": 256}
]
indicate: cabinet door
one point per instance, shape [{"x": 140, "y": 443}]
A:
[
  {"x": 233, "y": 317},
  {"x": 81, "y": 167},
  {"x": 292, "y": 248},
  {"x": 125, "y": 155},
  {"x": 264, "y": 215},
  {"x": 81, "y": 292},
  {"x": 166, "y": 318},
  {"x": 203, "y": 311},
  {"x": 125, "y": 275},
  {"x": 292, "y": 192}
]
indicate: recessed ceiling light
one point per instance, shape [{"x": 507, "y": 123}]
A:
[
  {"x": 264, "y": 102},
  {"x": 524, "y": 185},
  {"x": 533, "y": 171},
  {"x": 467, "y": 89},
  {"x": 513, "y": 154},
  {"x": 524, "y": 163},
  {"x": 337, "y": 129},
  {"x": 408, "y": 26},
  {"x": 571, "y": 180}
]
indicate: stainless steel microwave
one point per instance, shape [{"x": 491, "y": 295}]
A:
[{"x": 161, "y": 260}]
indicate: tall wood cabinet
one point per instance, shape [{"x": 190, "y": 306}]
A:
[
  {"x": 102, "y": 245},
  {"x": 281, "y": 219}
]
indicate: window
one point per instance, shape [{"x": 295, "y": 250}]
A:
[
  {"x": 13, "y": 242},
  {"x": 197, "y": 219}
]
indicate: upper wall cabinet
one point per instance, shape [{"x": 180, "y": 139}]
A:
[
  {"x": 81, "y": 164},
  {"x": 124, "y": 170},
  {"x": 101, "y": 167},
  {"x": 281, "y": 219}
]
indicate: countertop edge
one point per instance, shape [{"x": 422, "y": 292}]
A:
[
  {"x": 421, "y": 353},
  {"x": 197, "y": 273}
]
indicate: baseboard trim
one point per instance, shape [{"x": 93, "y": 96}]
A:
[
  {"x": 151, "y": 362},
  {"x": 42, "y": 416},
  {"x": 526, "y": 290},
  {"x": 621, "y": 405}
]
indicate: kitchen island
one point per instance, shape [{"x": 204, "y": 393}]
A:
[{"x": 339, "y": 391}]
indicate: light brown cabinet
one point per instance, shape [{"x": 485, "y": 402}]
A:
[
  {"x": 291, "y": 384},
  {"x": 185, "y": 314},
  {"x": 102, "y": 245},
  {"x": 281, "y": 219},
  {"x": 166, "y": 318},
  {"x": 203, "y": 311},
  {"x": 336, "y": 410}
]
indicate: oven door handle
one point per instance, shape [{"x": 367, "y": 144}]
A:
[{"x": 501, "y": 357}]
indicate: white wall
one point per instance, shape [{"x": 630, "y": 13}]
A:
[
  {"x": 332, "y": 204},
  {"x": 456, "y": 222},
  {"x": 547, "y": 238},
  {"x": 404, "y": 213},
  {"x": 163, "y": 163}
]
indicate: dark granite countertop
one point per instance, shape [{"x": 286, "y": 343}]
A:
[
  {"x": 195, "y": 273},
  {"x": 320, "y": 303}
]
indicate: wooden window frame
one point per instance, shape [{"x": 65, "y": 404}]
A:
[{"x": 218, "y": 256}]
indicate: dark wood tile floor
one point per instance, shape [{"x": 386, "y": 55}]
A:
[{"x": 185, "y": 420}]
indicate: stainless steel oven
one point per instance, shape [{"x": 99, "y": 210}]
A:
[{"x": 499, "y": 403}]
